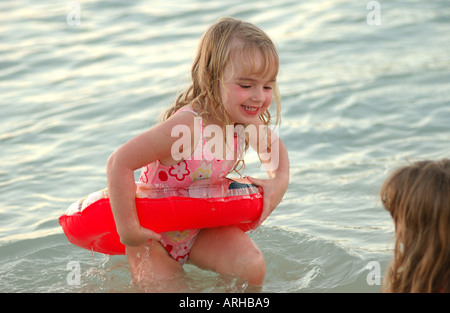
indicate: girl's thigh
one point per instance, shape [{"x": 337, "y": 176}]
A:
[{"x": 230, "y": 252}]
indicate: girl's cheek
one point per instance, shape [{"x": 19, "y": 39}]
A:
[
  {"x": 236, "y": 89},
  {"x": 225, "y": 93},
  {"x": 269, "y": 98}
]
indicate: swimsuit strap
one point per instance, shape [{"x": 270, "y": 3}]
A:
[
  {"x": 183, "y": 109},
  {"x": 187, "y": 109}
]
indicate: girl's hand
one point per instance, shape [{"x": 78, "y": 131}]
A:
[
  {"x": 138, "y": 236},
  {"x": 274, "y": 190}
]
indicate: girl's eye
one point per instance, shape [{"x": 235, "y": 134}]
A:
[
  {"x": 268, "y": 88},
  {"x": 245, "y": 86}
]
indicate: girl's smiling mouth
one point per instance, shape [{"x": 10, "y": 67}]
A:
[{"x": 250, "y": 110}]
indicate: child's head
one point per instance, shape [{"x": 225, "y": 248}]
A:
[
  {"x": 229, "y": 44},
  {"x": 418, "y": 198}
]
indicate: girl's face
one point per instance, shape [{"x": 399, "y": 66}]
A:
[{"x": 245, "y": 96}]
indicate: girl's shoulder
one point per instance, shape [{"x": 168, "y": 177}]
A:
[{"x": 185, "y": 116}]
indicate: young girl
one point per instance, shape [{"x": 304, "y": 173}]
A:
[
  {"x": 418, "y": 198},
  {"x": 233, "y": 83}
]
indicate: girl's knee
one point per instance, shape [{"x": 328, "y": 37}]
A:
[
  {"x": 229, "y": 252},
  {"x": 256, "y": 268}
]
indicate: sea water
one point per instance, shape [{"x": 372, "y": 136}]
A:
[{"x": 365, "y": 88}]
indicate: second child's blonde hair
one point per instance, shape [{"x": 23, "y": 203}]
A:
[{"x": 418, "y": 198}]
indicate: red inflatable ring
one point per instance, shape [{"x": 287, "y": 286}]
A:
[{"x": 89, "y": 222}]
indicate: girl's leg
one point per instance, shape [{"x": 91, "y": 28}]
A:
[
  {"x": 154, "y": 269},
  {"x": 230, "y": 252}
]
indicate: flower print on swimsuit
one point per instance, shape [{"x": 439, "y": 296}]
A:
[
  {"x": 144, "y": 177},
  {"x": 179, "y": 236},
  {"x": 179, "y": 171},
  {"x": 203, "y": 171},
  {"x": 227, "y": 165}
]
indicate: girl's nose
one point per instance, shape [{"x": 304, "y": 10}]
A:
[{"x": 258, "y": 95}]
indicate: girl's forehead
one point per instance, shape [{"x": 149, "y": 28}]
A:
[{"x": 253, "y": 63}]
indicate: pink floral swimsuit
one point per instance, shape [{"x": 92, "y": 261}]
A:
[{"x": 200, "y": 165}]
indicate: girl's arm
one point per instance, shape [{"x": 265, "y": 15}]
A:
[
  {"x": 276, "y": 162},
  {"x": 154, "y": 144}
]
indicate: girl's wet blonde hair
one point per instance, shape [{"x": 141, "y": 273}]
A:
[
  {"x": 418, "y": 198},
  {"x": 222, "y": 40}
]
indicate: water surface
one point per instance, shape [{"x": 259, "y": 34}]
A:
[{"x": 358, "y": 101}]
